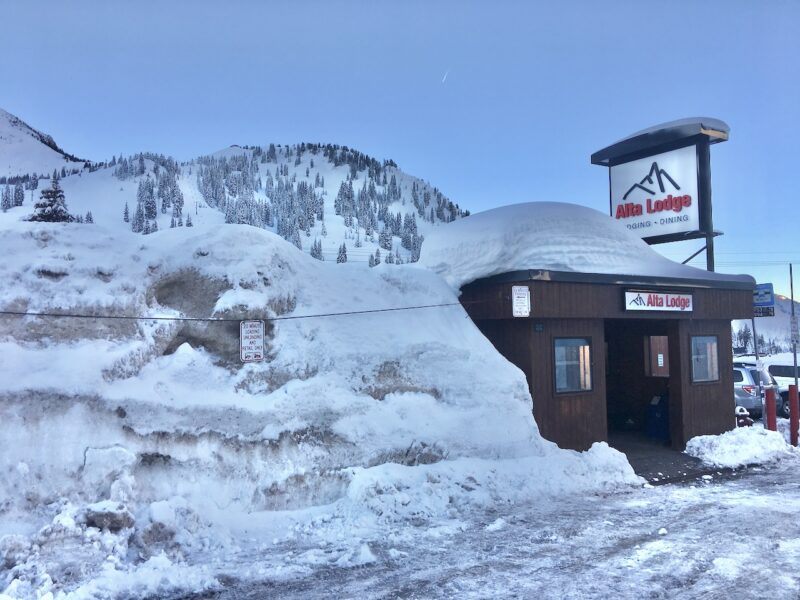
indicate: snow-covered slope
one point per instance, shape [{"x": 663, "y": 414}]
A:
[
  {"x": 24, "y": 150},
  {"x": 310, "y": 194},
  {"x": 547, "y": 236}
]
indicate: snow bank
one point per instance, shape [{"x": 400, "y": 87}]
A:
[
  {"x": 546, "y": 236},
  {"x": 122, "y": 441},
  {"x": 739, "y": 447}
]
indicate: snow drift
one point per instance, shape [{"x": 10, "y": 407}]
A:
[{"x": 145, "y": 445}]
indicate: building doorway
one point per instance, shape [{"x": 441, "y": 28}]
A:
[{"x": 637, "y": 380}]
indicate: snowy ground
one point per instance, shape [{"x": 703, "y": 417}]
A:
[{"x": 720, "y": 537}]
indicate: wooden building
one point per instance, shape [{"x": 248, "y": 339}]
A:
[{"x": 600, "y": 350}]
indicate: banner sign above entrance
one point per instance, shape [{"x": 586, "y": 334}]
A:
[{"x": 660, "y": 301}]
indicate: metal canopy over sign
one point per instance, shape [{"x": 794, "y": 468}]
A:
[
  {"x": 251, "y": 341},
  {"x": 660, "y": 181},
  {"x": 660, "y": 301},
  {"x": 520, "y": 301}
]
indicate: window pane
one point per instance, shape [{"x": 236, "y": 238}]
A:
[
  {"x": 737, "y": 376},
  {"x": 761, "y": 377},
  {"x": 705, "y": 358},
  {"x": 573, "y": 365}
]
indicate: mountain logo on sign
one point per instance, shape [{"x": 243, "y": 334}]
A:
[
  {"x": 655, "y": 175},
  {"x": 638, "y": 301}
]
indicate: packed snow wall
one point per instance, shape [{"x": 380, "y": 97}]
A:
[{"x": 147, "y": 434}]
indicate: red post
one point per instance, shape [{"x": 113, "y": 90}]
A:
[
  {"x": 794, "y": 414},
  {"x": 772, "y": 420}
]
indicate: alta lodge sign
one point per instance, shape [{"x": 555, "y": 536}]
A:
[
  {"x": 657, "y": 195},
  {"x": 642, "y": 300}
]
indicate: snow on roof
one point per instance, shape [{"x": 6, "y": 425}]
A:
[
  {"x": 549, "y": 236},
  {"x": 702, "y": 122}
]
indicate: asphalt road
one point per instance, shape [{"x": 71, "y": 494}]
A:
[{"x": 732, "y": 536}]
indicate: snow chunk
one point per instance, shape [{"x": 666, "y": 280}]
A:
[
  {"x": 496, "y": 525},
  {"x": 108, "y": 514},
  {"x": 357, "y": 557},
  {"x": 550, "y": 236},
  {"x": 742, "y": 446}
]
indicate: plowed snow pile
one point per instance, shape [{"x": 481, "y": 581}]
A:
[{"x": 133, "y": 452}]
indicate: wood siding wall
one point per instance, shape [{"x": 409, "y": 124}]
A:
[
  {"x": 582, "y": 310},
  {"x": 553, "y": 299},
  {"x": 706, "y": 408}
]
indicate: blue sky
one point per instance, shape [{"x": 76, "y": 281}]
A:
[{"x": 531, "y": 90}]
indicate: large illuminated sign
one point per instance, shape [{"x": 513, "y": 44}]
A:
[
  {"x": 660, "y": 181},
  {"x": 657, "y": 195}
]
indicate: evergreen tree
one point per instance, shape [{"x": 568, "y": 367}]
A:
[
  {"x": 138, "y": 222},
  {"x": 19, "y": 195},
  {"x": 7, "y": 202},
  {"x": 126, "y": 215},
  {"x": 371, "y": 260},
  {"x": 377, "y": 256},
  {"x": 189, "y": 220},
  {"x": 342, "y": 256},
  {"x": 385, "y": 239},
  {"x": 295, "y": 238},
  {"x": 88, "y": 218},
  {"x": 316, "y": 250},
  {"x": 52, "y": 207}
]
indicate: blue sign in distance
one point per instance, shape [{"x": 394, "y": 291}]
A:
[{"x": 763, "y": 295}]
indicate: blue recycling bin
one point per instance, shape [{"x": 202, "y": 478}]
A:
[{"x": 657, "y": 426}]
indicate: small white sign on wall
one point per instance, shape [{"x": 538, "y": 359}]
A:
[
  {"x": 521, "y": 301},
  {"x": 251, "y": 341}
]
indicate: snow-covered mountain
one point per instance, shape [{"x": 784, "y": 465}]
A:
[
  {"x": 326, "y": 199},
  {"x": 24, "y": 150}
]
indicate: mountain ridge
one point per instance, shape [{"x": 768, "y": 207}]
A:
[{"x": 330, "y": 199}]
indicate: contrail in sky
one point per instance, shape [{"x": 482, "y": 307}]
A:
[{"x": 445, "y": 75}]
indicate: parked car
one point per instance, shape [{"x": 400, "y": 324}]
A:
[
  {"x": 784, "y": 377},
  {"x": 746, "y": 378}
]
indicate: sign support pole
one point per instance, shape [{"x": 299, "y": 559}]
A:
[
  {"x": 794, "y": 341},
  {"x": 704, "y": 191},
  {"x": 758, "y": 368}
]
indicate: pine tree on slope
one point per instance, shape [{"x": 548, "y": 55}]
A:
[
  {"x": 6, "y": 201},
  {"x": 52, "y": 207},
  {"x": 19, "y": 195}
]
